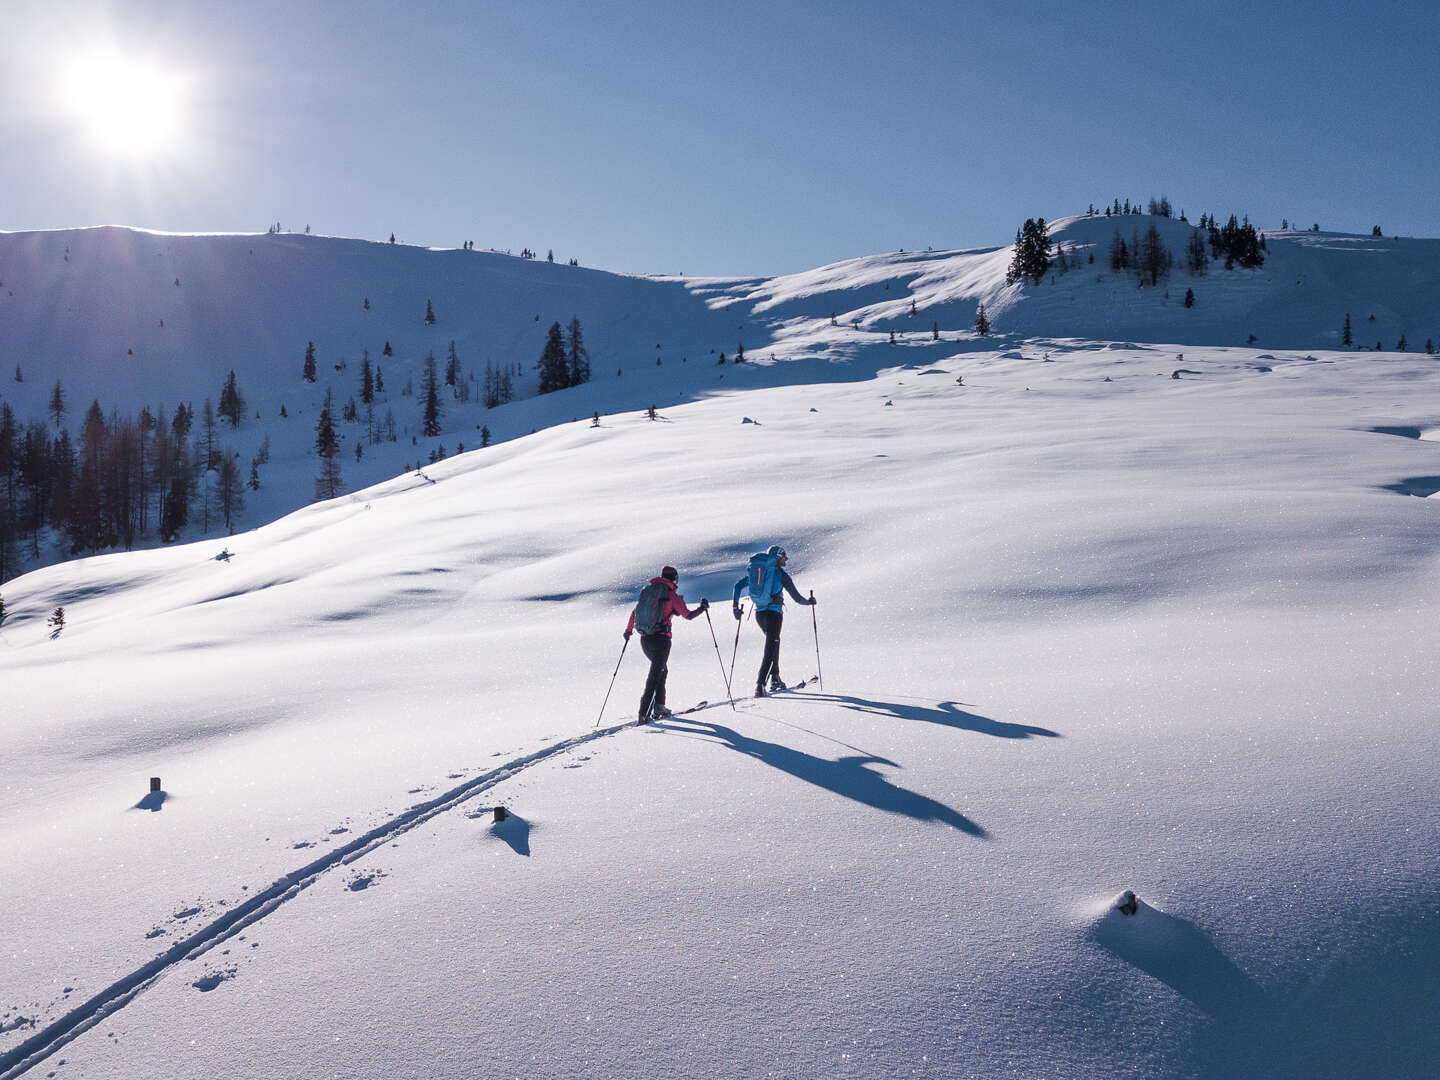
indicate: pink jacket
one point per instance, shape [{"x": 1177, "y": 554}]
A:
[{"x": 674, "y": 605}]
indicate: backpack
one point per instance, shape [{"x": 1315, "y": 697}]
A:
[
  {"x": 763, "y": 578},
  {"x": 650, "y": 608}
]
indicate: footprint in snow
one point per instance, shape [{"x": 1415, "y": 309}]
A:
[
  {"x": 361, "y": 882},
  {"x": 211, "y": 979}
]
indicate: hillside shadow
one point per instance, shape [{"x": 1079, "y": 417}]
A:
[
  {"x": 852, "y": 776},
  {"x": 946, "y": 714}
]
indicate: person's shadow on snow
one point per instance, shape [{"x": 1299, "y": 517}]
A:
[
  {"x": 947, "y": 714},
  {"x": 853, "y": 777}
]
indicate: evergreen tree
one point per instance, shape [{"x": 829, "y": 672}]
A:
[
  {"x": 552, "y": 365},
  {"x": 484, "y": 437},
  {"x": 367, "y": 381},
  {"x": 1346, "y": 338},
  {"x": 57, "y": 404},
  {"x": 232, "y": 402},
  {"x": 429, "y": 313},
  {"x": 430, "y": 387},
  {"x": 982, "y": 321},
  {"x": 1032, "y": 252},
  {"x": 1189, "y": 298},
  {"x": 309, "y": 369},
  {"x": 452, "y": 367},
  {"x": 1119, "y": 253},
  {"x": 1402, "y": 345},
  {"x": 327, "y": 445},
  {"x": 577, "y": 359}
]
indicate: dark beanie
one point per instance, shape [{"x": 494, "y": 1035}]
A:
[{"x": 670, "y": 574}]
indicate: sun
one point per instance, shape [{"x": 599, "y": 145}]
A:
[{"x": 126, "y": 105}]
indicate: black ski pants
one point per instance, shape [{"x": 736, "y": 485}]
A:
[
  {"x": 769, "y": 623},
  {"x": 657, "y": 649}
]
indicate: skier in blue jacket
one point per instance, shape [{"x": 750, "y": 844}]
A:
[{"x": 765, "y": 578}]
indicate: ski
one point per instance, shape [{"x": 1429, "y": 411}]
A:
[
  {"x": 677, "y": 712},
  {"x": 793, "y": 686}
]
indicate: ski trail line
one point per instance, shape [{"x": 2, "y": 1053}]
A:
[{"x": 118, "y": 994}]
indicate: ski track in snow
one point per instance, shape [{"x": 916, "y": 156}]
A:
[{"x": 120, "y": 993}]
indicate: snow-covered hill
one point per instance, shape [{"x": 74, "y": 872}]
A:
[
  {"x": 1084, "y": 626},
  {"x": 134, "y": 319}
]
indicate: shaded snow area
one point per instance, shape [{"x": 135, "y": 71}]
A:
[{"x": 1084, "y": 627}]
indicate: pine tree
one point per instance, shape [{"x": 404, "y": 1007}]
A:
[
  {"x": 232, "y": 402},
  {"x": 577, "y": 359},
  {"x": 484, "y": 437},
  {"x": 982, "y": 321},
  {"x": 1429, "y": 347},
  {"x": 452, "y": 366},
  {"x": 327, "y": 445},
  {"x": 429, "y": 313},
  {"x": 552, "y": 365},
  {"x": 367, "y": 380},
  {"x": 430, "y": 386},
  {"x": 1032, "y": 252},
  {"x": 1189, "y": 298},
  {"x": 309, "y": 369},
  {"x": 1402, "y": 345},
  {"x": 57, "y": 404},
  {"x": 1346, "y": 338}
]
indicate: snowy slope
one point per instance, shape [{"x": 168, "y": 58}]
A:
[
  {"x": 136, "y": 319},
  {"x": 1084, "y": 627}
]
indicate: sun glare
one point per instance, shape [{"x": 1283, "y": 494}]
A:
[{"x": 124, "y": 105}]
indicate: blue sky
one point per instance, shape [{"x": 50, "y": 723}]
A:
[{"x": 736, "y": 138}]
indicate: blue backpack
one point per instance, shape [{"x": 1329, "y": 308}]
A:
[{"x": 763, "y": 579}]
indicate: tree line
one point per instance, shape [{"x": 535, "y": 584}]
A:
[{"x": 123, "y": 479}]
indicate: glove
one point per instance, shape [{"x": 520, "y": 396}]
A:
[
  {"x": 705, "y": 604},
  {"x": 735, "y": 610},
  {"x": 813, "y": 601},
  {"x": 627, "y": 635}
]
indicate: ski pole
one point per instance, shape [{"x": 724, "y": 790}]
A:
[
  {"x": 815, "y": 625},
  {"x": 612, "y": 680},
  {"x": 735, "y": 651},
  {"x": 720, "y": 660}
]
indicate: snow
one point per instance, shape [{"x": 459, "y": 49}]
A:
[{"x": 1084, "y": 627}]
